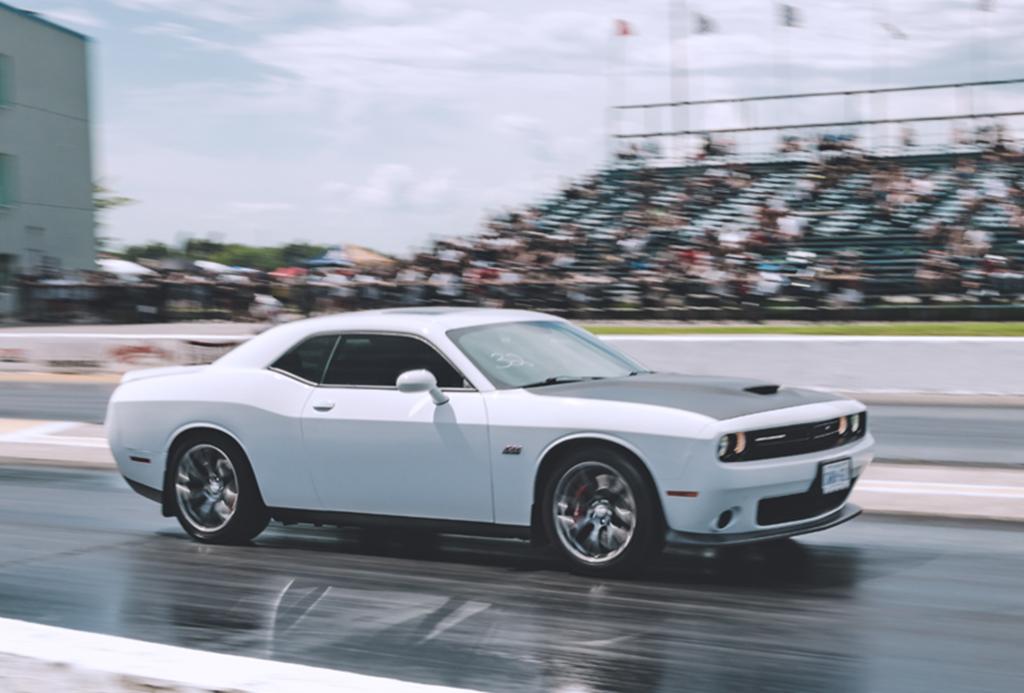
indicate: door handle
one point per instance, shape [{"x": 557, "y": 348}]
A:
[{"x": 323, "y": 406}]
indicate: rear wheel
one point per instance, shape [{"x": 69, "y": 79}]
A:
[
  {"x": 214, "y": 492},
  {"x": 601, "y": 513}
]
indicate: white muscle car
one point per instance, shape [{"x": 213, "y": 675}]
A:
[{"x": 496, "y": 422}]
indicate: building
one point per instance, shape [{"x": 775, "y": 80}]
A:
[{"x": 46, "y": 211}]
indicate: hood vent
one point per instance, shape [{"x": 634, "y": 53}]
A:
[{"x": 762, "y": 389}]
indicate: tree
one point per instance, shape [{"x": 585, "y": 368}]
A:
[
  {"x": 103, "y": 199},
  {"x": 296, "y": 253},
  {"x": 150, "y": 251},
  {"x": 202, "y": 248}
]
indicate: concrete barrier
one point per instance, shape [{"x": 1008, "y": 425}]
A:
[
  {"x": 961, "y": 365},
  {"x": 958, "y": 365},
  {"x": 74, "y": 352},
  {"x": 35, "y": 658}
]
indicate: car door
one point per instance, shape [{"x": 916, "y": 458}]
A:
[{"x": 373, "y": 449}]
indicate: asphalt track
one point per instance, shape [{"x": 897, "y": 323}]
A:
[
  {"x": 875, "y": 605},
  {"x": 929, "y": 433}
]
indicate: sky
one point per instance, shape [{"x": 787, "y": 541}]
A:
[{"x": 387, "y": 123}]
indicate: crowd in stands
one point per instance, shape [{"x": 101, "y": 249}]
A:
[
  {"x": 845, "y": 229},
  {"x": 842, "y": 229}
]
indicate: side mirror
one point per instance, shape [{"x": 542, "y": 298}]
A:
[{"x": 421, "y": 380}]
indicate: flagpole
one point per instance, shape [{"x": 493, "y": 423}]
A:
[
  {"x": 678, "y": 79},
  {"x": 881, "y": 77},
  {"x": 612, "y": 121},
  {"x": 670, "y": 148}
]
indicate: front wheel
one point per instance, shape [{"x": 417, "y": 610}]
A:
[
  {"x": 601, "y": 513},
  {"x": 216, "y": 499}
]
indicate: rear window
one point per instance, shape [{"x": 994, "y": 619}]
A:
[{"x": 308, "y": 359}]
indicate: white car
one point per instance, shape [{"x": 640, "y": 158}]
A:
[{"x": 495, "y": 422}]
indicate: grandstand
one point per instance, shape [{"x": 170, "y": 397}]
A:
[
  {"x": 835, "y": 222},
  {"x": 821, "y": 220},
  {"x": 840, "y": 218}
]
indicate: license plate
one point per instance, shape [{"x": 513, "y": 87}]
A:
[{"x": 835, "y": 476}]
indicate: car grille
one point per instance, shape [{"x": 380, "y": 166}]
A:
[
  {"x": 801, "y": 506},
  {"x": 797, "y": 439}
]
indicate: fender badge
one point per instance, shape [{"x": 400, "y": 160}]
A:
[{"x": 512, "y": 450}]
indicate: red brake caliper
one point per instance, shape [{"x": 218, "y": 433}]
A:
[{"x": 578, "y": 507}]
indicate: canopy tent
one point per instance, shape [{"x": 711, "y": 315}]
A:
[
  {"x": 365, "y": 257},
  {"x": 213, "y": 267},
  {"x": 288, "y": 272},
  {"x": 335, "y": 256},
  {"x": 122, "y": 268}
]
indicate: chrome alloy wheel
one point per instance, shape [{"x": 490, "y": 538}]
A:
[
  {"x": 595, "y": 513},
  {"x": 207, "y": 487}
]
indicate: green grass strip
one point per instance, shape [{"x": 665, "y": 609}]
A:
[{"x": 884, "y": 329}]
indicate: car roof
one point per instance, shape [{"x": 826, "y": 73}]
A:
[{"x": 429, "y": 322}]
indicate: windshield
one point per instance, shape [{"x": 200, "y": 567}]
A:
[{"x": 529, "y": 354}]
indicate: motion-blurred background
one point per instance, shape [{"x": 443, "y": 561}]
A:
[
  {"x": 170, "y": 159},
  {"x": 848, "y": 170}
]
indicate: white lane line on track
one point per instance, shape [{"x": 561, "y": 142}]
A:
[
  {"x": 43, "y": 430},
  {"x": 962, "y": 494},
  {"x": 64, "y": 441},
  {"x": 924, "y": 488},
  {"x": 49, "y": 434},
  {"x": 91, "y": 653}
]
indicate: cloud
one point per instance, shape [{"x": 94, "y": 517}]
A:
[
  {"x": 74, "y": 16},
  {"x": 233, "y": 12},
  {"x": 259, "y": 207},
  {"x": 515, "y": 123},
  {"x": 181, "y": 32},
  {"x": 431, "y": 190},
  {"x": 394, "y": 186},
  {"x": 407, "y": 118},
  {"x": 377, "y": 9}
]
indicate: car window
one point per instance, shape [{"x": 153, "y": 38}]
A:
[
  {"x": 308, "y": 359},
  {"x": 378, "y": 360}
]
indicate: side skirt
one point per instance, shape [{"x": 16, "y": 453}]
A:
[{"x": 290, "y": 516}]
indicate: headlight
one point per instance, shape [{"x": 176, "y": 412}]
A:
[
  {"x": 724, "y": 447},
  {"x": 855, "y": 422},
  {"x": 844, "y": 425},
  {"x": 732, "y": 445}
]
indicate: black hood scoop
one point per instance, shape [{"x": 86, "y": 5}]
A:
[{"x": 716, "y": 397}]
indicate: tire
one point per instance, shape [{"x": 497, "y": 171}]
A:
[
  {"x": 213, "y": 491},
  {"x": 601, "y": 514}
]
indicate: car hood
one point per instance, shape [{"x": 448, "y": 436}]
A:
[{"x": 717, "y": 397}]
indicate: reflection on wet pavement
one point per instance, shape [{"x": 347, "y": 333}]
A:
[{"x": 875, "y": 605}]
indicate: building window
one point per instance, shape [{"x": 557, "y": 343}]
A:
[
  {"x": 6, "y": 81},
  {"x": 6, "y": 180},
  {"x": 6, "y": 269}
]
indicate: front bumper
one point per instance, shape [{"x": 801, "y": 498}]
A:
[
  {"x": 775, "y": 496},
  {"x": 843, "y": 514}
]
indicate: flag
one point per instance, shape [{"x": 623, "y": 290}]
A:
[
  {"x": 789, "y": 16},
  {"x": 893, "y": 30},
  {"x": 703, "y": 24},
  {"x": 623, "y": 28}
]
